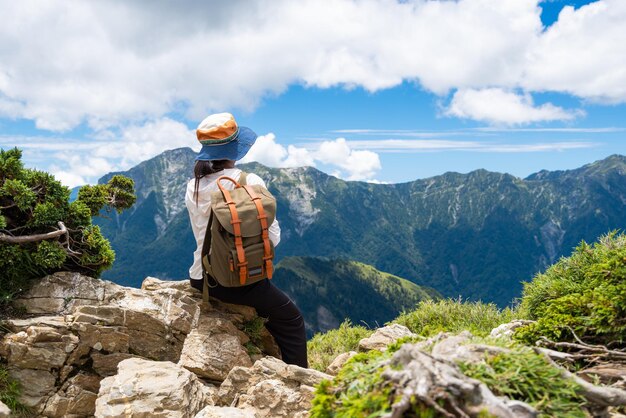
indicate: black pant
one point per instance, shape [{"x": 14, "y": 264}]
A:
[{"x": 285, "y": 322}]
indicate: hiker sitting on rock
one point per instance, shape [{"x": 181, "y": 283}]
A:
[{"x": 234, "y": 224}]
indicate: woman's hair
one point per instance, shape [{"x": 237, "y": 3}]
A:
[{"x": 204, "y": 168}]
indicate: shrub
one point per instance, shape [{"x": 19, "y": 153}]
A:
[
  {"x": 323, "y": 348},
  {"x": 33, "y": 203},
  {"x": 524, "y": 375},
  {"x": 358, "y": 390},
  {"x": 449, "y": 315},
  {"x": 584, "y": 293}
]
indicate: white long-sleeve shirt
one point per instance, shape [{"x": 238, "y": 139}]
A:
[{"x": 199, "y": 214}]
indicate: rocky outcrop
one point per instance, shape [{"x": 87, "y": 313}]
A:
[
  {"x": 145, "y": 388},
  {"x": 271, "y": 388},
  {"x": 81, "y": 329}
]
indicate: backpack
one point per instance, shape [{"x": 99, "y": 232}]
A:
[{"x": 237, "y": 250}]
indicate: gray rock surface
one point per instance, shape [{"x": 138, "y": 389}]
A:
[
  {"x": 384, "y": 336},
  {"x": 145, "y": 388},
  {"x": 271, "y": 388}
]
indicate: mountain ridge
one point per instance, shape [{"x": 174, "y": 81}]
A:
[{"x": 477, "y": 235}]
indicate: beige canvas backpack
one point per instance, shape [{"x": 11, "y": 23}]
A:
[{"x": 237, "y": 250}]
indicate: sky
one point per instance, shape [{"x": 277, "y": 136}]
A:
[{"x": 373, "y": 90}]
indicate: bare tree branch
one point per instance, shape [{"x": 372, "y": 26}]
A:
[
  {"x": 600, "y": 395},
  {"x": 35, "y": 238}
]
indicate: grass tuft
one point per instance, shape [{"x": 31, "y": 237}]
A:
[
  {"x": 452, "y": 315},
  {"x": 323, "y": 348}
]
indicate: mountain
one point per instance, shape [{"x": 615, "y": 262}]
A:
[
  {"x": 327, "y": 291},
  {"x": 478, "y": 235}
]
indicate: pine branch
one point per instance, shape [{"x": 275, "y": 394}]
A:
[{"x": 23, "y": 239}]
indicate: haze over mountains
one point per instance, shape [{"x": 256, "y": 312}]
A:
[{"x": 478, "y": 235}]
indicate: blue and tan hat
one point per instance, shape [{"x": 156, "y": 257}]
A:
[{"x": 223, "y": 139}]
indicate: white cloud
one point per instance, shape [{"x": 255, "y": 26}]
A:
[
  {"x": 108, "y": 62},
  {"x": 498, "y": 106},
  {"x": 345, "y": 161},
  {"x": 358, "y": 164},
  {"x": 410, "y": 145},
  {"x": 69, "y": 179}
]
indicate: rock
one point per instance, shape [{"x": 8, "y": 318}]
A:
[
  {"x": 106, "y": 364},
  {"x": 224, "y": 412},
  {"x": 384, "y": 336},
  {"x": 271, "y": 388},
  {"x": 37, "y": 385},
  {"x": 60, "y": 292},
  {"x": 457, "y": 348},
  {"x": 76, "y": 398},
  {"x": 507, "y": 330},
  {"x": 90, "y": 326},
  {"x": 339, "y": 361},
  {"x": 38, "y": 347},
  {"x": 214, "y": 348},
  {"x": 144, "y": 388},
  {"x": 5, "y": 412},
  {"x": 146, "y": 335}
]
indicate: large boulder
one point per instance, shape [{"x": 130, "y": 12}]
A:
[
  {"x": 212, "y": 358},
  {"x": 145, "y": 388}
]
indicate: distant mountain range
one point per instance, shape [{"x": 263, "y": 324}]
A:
[{"x": 478, "y": 235}]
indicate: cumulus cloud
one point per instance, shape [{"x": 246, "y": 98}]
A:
[
  {"x": 107, "y": 62},
  {"x": 498, "y": 106},
  {"x": 81, "y": 162},
  {"x": 344, "y": 161}
]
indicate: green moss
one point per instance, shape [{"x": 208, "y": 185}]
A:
[
  {"x": 450, "y": 315},
  {"x": 323, "y": 348},
  {"x": 584, "y": 293},
  {"x": 524, "y": 375}
]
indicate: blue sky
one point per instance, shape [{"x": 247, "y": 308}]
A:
[{"x": 367, "y": 90}]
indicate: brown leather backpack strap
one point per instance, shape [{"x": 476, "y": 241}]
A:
[
  {"x": 267, "y": 250},
  {"x": 236, "y": 223}
]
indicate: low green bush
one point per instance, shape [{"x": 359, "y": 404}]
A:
[
  {"x": 358, "y": 390},
  {"x": 451, "y": 315},
  {"x": 583, "y": 294},
  {"x": 323, "y": 348},
  {"x": 524, "y": 375}
]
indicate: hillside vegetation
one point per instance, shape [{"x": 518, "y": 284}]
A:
[
  {"x": 327, "y": 291},
  {"x": 579, "y": 300}
]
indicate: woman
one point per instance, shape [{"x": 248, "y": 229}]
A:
[{"x": 223, "y": 143}]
